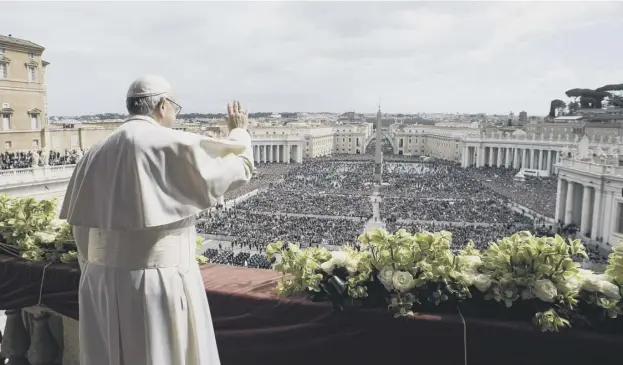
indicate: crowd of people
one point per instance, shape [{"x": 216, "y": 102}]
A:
[
  {"x": 24, "y": 160},
  {"x": 459, "y": 210},
  {"x": 309, "y": 203},
  {"x": 326, "y": 201},
  {"x": 538, "y": 194},
  {"x": 250, "y": 230}
]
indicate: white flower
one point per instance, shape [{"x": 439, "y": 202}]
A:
[
  {"x": 340, "y": 259},
  {"x": 545, "y": 290},
  {"x": 609, "y": 289},
  {"x": 590, "y": 281},
  {"x": 572, "y": 284},
  {"x": 471, "y": 261},
  {"x": 403, "y": 281},
  {"x": 57, "y": 223},
  {"x": 327, "y": 266},
  {"x": 386, "y": 276},
  {"x": 45, "y": 237},
  {"x": 482, "y": 282},
  {"x": 467, "y": 277}
]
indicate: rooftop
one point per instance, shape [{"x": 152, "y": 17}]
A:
[{"x": 20, "y": 42}]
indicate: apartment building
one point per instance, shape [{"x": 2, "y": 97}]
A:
[{"x": 23, "y": 99}]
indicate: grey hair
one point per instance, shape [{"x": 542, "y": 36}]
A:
[{"x": 143, "y": 105}]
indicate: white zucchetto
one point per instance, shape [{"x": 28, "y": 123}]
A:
[{"x": 148, "y": 85}]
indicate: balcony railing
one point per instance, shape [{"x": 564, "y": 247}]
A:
[
  {"x": 18, "y": 176},
  {"x": 591, "y": 167}
]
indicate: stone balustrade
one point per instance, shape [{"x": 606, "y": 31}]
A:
[
  {"x": 558, "y": 139},
  {"x": 592, "y": 167},
  {"x": 37, "y": 336},
  {"x": 18, "y": 176}
]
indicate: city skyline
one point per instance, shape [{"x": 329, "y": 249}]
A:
[{"x": 335, "y": 57}]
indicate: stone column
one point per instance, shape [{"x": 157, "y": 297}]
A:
[
  {"x": 559, "y": 196},
  {"x": 516, "y": 158},
  {"x": 499, "y": 149},
  {"x": 44, "y": 349},
  {"x": 586, "y": 209},
  {"x": 287, "y": 152},
  {"x": 524, "y": 159},
  {"x": 533, "y": 159},
  {"x": 490, "y": 156},
  {"x": 16, "y": 339},
  {"x": 596, "y": 229},
  {"x": 569, "y": 203}
]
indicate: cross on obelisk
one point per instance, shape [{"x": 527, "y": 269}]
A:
[{"x": 378, "y": 154}]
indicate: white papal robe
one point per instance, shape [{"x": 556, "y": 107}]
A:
[{"x": 132, "y": 201}]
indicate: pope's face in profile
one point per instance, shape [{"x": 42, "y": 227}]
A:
[{"x": 167, "y": 111}]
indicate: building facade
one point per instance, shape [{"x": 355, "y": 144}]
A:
[
  {"x": 590, "y": 196},
  {"x": 23, "y": 99}
]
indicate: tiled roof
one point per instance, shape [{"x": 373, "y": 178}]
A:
[{"x": 20, "y": 42}]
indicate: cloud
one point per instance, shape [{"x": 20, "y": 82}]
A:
[{"x": 307, "y": 56}]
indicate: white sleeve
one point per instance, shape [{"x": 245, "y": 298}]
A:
[{"x": 207, "y": 177}]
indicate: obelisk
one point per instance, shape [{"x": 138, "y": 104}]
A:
[{"x": 378, "y": 154}]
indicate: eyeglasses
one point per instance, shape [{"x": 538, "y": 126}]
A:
[{"x": 176, "y": 106}]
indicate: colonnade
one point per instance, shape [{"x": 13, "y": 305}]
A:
[
  {"x": 279, "y": 153},
  {"x": 585, "y": 206},
  {"x": 511, "y": 157}
]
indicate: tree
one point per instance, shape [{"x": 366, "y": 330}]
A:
[
  {"x": 555, "y": 107},
  {"x": 588, "y": 98}
]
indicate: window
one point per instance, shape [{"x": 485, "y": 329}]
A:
[
  {"x": 620, "y": 222},
  {"x": 35, "y": 143},
  {"x": 3, "y": 71},
  {"x": 74, "y": 141},
  {"x": 32, "y": 74},
  {"x": 31, "y": 55},
  {"x": 6, "y": 122},
  {"x": 7, "y": 144},
  {"x": 34, "y": 121}
]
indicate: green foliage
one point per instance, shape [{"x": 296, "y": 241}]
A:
[
  {"x": 29, "y": 229},
  {"x": 299, "y": 266},
  {"x": 412, "y": 268}
]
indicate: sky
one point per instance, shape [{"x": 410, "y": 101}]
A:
[{"x": 415, "y": 57}]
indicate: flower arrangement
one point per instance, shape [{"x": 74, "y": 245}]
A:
[
  {"x": 29, "y": 229},
  {"x": 419, "y": 272}
]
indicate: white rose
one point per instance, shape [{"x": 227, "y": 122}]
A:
[
  {"x": 609, "y": 289},
  {"x": 327, "y": 267},
  {"x": 572, "y": 284},
  {"x": 45, "y": 237},
  {"x": 471, "y": 261},
  {"x": 386, "y": 276},
  {"x": 590, "y": 281},
  {"x": 467, "y": 277},
  {"x": 545, "y": 290},
  {"x": 351, "y": 265},
  {"x": 57, "y": 223},
  {"x": 482, "y": 282},
  {"x": 403, "y": 281},
  {"x": 339, "y": 258}
]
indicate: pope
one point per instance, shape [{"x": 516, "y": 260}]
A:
[{"x": 132, "y": 201}]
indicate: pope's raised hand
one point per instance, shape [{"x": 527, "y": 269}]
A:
[{"x": 236, "y": 117}]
